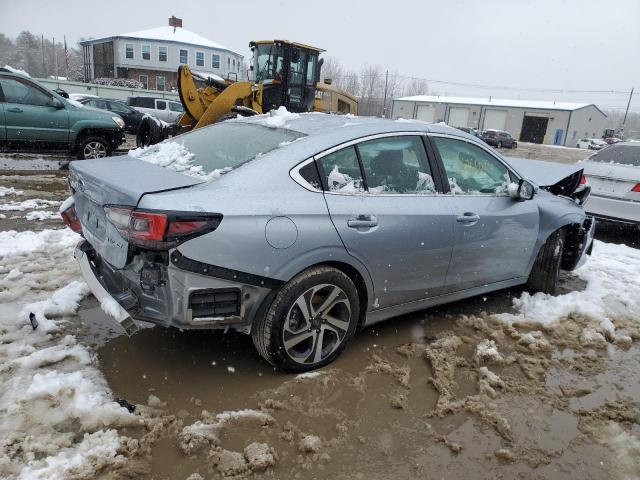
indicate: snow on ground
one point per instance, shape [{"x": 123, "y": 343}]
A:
[
  {"x": 56, "y": 411},
  {"x": 31, "y": 204},
  {"x": 9, "y": 191},
  {"x": 42, "y": 215},
  {"x": 612, "y": 293}
]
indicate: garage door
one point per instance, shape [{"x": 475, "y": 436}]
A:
[
  {"x": 425, "y": 113},
  {"x": 458, "y": 117},
  {"x": 495, "y": 119}
]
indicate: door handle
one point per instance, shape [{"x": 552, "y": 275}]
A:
[
  {"x": 14, "y": 110},
  {"x": 363, "y": 221},
  {"x": 468, "y": 218}
]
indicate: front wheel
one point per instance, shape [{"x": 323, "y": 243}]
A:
[
  {"x": 309, "y": 322},
  {"x": 546, "y": 268},
  {"x": 93, "y": 147}
]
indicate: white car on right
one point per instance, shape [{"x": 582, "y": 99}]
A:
[
  {"x": 591, "y": 143},
  {"x": 614, "y": 176}
]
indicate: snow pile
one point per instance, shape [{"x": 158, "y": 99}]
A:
[
  {"x": 55, "y": 406},
  {"x": 31, "y": 204},
  {"x": 42, "y": 215},
  {"x": 612, "y": 291},
  {"x": 487, "y": 352},
  {"x": 275, "y": 118},
  {"x": 177, "y": 157},
  {"x": 9, "y": 191}
]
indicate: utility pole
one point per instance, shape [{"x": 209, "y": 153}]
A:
[
  {"x": 55, "y": 59},
  {"x": 44, "y": 69},
  {"x": 627, "y": 110},
  {"x": 384, "y": 101}
]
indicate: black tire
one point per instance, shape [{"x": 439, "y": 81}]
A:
[
  {"x": 149, "y": 132},
  {"x": 285, "y": 318},
  {"x": 92, "y": 147},
  {"x": 546, "y": 268}
]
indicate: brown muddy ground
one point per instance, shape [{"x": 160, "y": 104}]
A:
[{"x": 409, "y": 398}]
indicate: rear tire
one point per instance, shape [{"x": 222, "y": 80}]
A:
[
  {"x": 149, "y": 132},
  {"x": 546, "y": 269},
  {"x": 93, "y": 147},
  {"x": 309, "y": 322}
]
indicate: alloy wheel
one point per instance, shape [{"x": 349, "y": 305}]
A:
[
  {"x": 316, "y": 324},
  {"x": 94, "y": 150}
]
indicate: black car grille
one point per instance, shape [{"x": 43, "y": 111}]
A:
[{"x": 215, "y": 303}]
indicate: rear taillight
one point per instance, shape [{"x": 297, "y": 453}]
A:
[
  {"x": 70, "y": 217},
  {"x": 583, "y": 180},
  {"x": 636, "y": 188},
  {"x": 160, "y": 230}
]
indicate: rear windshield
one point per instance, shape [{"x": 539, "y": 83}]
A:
[
  {"x": 624, "y": 154},
  {"x": 211, "y": 151}
]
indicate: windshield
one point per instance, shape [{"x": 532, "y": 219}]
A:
[
  {"x": 268, "y": 61},
  {"x": 212, "y": 151},
  {"x": 623, "y": 154}
]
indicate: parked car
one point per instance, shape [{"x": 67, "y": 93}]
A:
[
  {"x": 499, "y": 138},
  {"x": 612, "y": 140},
  {"x": 131, "y": 116},
  {"x": 36, "y": 118},
  {"x": 614, "y": 176},
  {"x": 302, "y": 234},
  {"x": 471, "y": 131},
  {"x": 161, "y": 108},
  {"x": 591, "y": 143}
]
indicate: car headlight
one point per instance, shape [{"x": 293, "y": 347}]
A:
[{"x": 118, "y": 121}]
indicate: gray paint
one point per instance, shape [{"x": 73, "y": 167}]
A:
[{"x": 419, "y": 251}]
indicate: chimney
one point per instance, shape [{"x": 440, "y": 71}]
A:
[{"x": 175, "y": 22}]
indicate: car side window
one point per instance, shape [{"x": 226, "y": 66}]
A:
[
  {"x": 21, "y": 92},
  {"x": 161, "y": 105},
  {"x": 176, "y": 107},
  {"x": 395, "y": 165},
  {"x": 341, "y": 171},
  {"x": 101, "y": 104},
  {"x": 470, "y": 169},
  {"x": 118, "y": 108}
]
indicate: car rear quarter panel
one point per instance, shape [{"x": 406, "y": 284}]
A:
[{"x": 250, "y": 197}]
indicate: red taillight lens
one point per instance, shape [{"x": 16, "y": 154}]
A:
[
  {"x": 583, "y": 180},
  {"x": 159, "y": 230},
  {"x": 636, "y": 188},
  {"x": 70, "y": 217}
]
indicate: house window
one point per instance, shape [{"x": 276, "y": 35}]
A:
[
  {"x": 184, "y": 57},
  {"x": 200, "y": 59},
  {"x": 159, "y": 82},
  {"x": 162, "y": 54},
  {"x": 228, "y": 63},
  {"x": 144, "y": 80},
  {"x": 146, "y": 52},
  {"x": 234, "y": 63},
  {"x": 215, "y": 61},
  {"x": 128, "y": 50}
]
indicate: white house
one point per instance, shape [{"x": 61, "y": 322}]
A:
[{"x": 153, "y": 56}]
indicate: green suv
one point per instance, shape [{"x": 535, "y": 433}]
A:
[{"x": 32, "y": 117}]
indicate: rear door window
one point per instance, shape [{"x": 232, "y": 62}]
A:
[
  {"x": 396, "y": 165},
  {"x": 161, "y": 105},
  {"x": 98, "y": 104},
  {"x": 118, "y": 108},
  {"x": 341, "y": 171}
]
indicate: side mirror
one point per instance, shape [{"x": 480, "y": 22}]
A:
[
  {"x": 523, "y": 190},
  {"x": 55, "y": 103}
]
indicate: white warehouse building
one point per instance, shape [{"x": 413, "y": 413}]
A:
[{"x": 551, "y": 123}]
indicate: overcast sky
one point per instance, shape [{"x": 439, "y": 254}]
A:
[{"x": 543, "y": 44}]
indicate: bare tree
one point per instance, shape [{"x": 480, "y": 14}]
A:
[
  {"x": 416, "y": 86},
  {"x": 333, "y": 69}
]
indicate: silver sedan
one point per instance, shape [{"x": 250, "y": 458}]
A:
[
  {"x": 301, "y": 229},
  {"x": 614, "y": 176}
]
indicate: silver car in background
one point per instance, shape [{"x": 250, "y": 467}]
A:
[
  {"x": 614, "y": 176},
  {"x": 301, "y": 229}
]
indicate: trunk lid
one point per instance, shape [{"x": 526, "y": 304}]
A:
[
  {"x": 116, "y": 181},
  {"x": 610, "y": 179}
]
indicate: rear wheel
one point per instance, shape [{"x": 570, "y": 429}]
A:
[
  {"x": 93, "y": 147},
  {"x": 309, "y": 322},
  {"x": 546, "y": 269}
]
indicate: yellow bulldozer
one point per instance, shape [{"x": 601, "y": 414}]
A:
[{"x": 285, "y": 74}]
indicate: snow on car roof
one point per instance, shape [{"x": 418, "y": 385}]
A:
[
  {"x": 168, "y": 34},
  {"x": 497, "y": 102}
]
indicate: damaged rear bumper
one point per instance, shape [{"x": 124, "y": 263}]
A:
[{"x": 170, "y": 296}]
